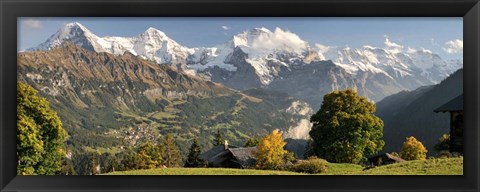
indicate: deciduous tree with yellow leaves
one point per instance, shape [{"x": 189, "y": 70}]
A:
[
  {"x": 413, "y": 149},
  {"x": 270, "y": 154}
]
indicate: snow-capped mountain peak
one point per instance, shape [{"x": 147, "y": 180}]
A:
[
  {"x": 73, "y": 26},
  {"x": 260, "y": 30},
  {"x": 152, "y": 44},
  {"x": 245, "y": 38},
  {"x": 155, "y": 45},
  {"x": 395, "y": 61},
  {"x": 154, "y": 33},
  {"x": 76, "y": 33},
  {"x": 263, "y": 46}
]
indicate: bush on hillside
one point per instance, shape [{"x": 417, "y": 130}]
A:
[
  {"x": 312, "y": 165},
  {"x": 413, "y": 149},
  {"x": 443, "y": 143}
]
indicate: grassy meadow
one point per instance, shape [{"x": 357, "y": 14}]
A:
[{"x": 446, "y": 166}]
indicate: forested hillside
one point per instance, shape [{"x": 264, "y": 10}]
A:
[{"x": 410, "y": 113}]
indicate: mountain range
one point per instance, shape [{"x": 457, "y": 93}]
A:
[
  {"x": 115, "y": 92},
  {"x": 116, "y": 101},
  {"x": 275, "y": 60}
]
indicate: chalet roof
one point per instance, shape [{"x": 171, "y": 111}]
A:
[
  {"x": 215, "y": 153},
  {"x": 387, "y": 155},
  {"x": 244, "y": 156},
  {"x": 455, "y": 104}
]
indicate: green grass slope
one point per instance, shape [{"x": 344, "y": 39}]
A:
[
  {"x": 449, "y": 166},
  {"x": 202, "y": 171}
]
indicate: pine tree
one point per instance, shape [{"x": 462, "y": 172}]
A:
[
  {"x": 252, "y": 142},
  {"x": 218, "y": 138},
  {"x": 193, "y": 159},
  {"x": 171, "y": 154}
]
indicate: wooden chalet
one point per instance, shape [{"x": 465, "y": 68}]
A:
[
  {"x": 455, "y": 108},
  {"x": 384, "y": 159},
  {"x": 230, "y": 157}
]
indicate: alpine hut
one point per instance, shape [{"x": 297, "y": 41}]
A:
[
  {"x": 230, "y": 156},
  {"x": 455, "y": 108}
]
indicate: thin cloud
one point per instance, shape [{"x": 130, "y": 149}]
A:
[
  {"x": 392, "y": 46},
  {"x": 33, "y": 23},
  {"x": 322, "y": 48},
  {"x": 226, "y": 27},
  {"x": 279, "y": 38},
  {"x": 454, "y": 46}
]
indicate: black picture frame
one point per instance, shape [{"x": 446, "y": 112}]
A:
[{"x": 11, "y": 9}]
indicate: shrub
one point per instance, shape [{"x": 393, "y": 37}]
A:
[
  {"x": 443, "y": 143},
  {"x": 312, "y": 165},
  {"x": 444, "y": 154},
  {"x": 413, "y": 149},
  {"x": 289, "y": 157}
]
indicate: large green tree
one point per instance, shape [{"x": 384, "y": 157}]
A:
[
  {"x": 87, "y": 163},
  {"x": 345, "y": 129},
  {"x": 108, "y": 163},
  {"x": 40, "y": 135},
  {"x": 129, "y": 160}
]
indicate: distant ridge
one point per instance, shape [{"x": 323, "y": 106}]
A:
[{"x": 412, "y": 113}]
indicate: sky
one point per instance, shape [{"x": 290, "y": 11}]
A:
[{"x": 441, "y": 35}]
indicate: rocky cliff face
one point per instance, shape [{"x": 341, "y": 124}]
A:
[
  {"x": 86, "y": 76},
  {"x": 310, "y": 82},
  {"x": 243, "y": 78}
]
